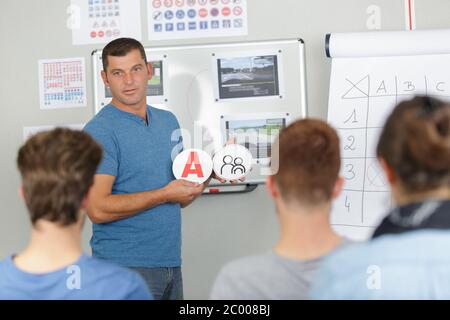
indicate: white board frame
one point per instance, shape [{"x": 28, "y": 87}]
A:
[{"x": 190, "y": 71}]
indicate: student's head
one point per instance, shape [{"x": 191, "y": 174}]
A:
[
  {"x": 57, "y": 169},
  {"x": 308, "y": 165},
  {"x": 414, "y": 147},
  {"x": 126, "y": 71}
]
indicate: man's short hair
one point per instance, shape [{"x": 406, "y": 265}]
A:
[
  {"x": 308, "y": 162},
  {"x": 57, "y": 169},
  {"x": 121, "y": 47}
]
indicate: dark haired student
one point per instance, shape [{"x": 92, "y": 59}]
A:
[
  {"x": 57, "y": 169},
  {"x": 408, "y": 257}
]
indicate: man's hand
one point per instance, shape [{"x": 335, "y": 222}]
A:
[
  {"x": 231, "y": 140},
  {"x": 182, "y": 191},
  {"x": 221, "y": 180}
]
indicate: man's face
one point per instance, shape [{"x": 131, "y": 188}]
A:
[{"x": 127, "y": 78}]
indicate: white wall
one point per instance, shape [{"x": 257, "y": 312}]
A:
[{"x": 216, "y": 228}]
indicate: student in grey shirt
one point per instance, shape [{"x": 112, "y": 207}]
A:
[{"x": 303, "y": 187}]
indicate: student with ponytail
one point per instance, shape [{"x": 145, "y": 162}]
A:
[{"x": 409, "y": 254}]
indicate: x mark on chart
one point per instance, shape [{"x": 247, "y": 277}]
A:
[{"x": 358, "y": 86}]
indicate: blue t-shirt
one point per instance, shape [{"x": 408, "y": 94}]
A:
[
  {"x": 140, "y": 157},
  {"x": 88, "y": 278}
]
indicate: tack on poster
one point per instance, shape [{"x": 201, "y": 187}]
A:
[
  {"x": 100, "y": 21},
  {"x": 183, "y": 19},
  {"x": 62, "y": 83}
]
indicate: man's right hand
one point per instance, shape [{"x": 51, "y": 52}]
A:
[{"x": 182, "y": 191}]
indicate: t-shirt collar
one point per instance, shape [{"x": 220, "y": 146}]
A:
[
  {"x": 135, "y": 117},
  {"x": 20, "y": 274}
]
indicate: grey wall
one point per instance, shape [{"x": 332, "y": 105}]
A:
[{"x": 216, "y": 228}]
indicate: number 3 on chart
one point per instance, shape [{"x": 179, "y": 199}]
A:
[{"x": 349, "y": 169}]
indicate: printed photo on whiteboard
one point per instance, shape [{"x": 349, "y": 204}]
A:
[
  {"x": 62, "y": 83},
  {"x": 256, "y": 134},
  {"x": 155, "y": 86},
  {"x": 100, "y": 21},
  {"x": 247, "y": 77}
]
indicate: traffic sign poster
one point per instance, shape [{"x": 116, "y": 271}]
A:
[
  {"x": 181, "y": 19},
  {"x": 100, "y": 21}
]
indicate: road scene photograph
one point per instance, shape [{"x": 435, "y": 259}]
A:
[{"x": 246, "y": 77}]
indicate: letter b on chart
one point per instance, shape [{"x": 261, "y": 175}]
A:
[{"x": 192, "y": 165}]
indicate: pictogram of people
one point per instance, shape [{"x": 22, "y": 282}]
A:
[{"x": 234, "y": 165}]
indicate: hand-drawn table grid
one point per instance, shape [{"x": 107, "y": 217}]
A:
[{"x": 362, "y": 112}]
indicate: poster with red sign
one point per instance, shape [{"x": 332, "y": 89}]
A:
[
  {"x": 181, "y": 19},
  {"x": 100, "y": 21}
]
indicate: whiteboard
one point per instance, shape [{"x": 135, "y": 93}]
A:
[
  {"x": 371, "y": 73},
  {"x": 192, "y": 80}
]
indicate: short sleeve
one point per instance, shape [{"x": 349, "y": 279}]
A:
[{"x": 110, "y": 161}]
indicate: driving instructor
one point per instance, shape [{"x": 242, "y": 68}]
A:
[{"x": 135, "y": 202}]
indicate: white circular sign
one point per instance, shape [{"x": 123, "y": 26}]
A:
[
  {"x": 233, "y": 162},
  {"x": 193, "y": 165}
]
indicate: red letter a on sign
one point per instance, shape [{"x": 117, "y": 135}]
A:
[{"x": 193, "y": 160}]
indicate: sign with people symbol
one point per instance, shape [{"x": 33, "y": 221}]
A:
[{"x": 233, "y": 162}]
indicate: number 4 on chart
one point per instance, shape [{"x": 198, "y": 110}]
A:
[{"x": 347, "y": 204}]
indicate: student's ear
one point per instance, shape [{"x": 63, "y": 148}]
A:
[
  {"x": 271, "y": 187},
  {"x": 338, "y": 186},
  {"x": 85, "y": 201},
  {"x": 21, "y": 192},
  {"x": 388, "y": 171},
  {"x": 104, "y": 78},
  {"x": 150, "y": 70}
]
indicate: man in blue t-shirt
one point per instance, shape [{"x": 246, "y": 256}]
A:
[
  {"x": 57, "y": 169},
  {"x": 136, "y": 201}
]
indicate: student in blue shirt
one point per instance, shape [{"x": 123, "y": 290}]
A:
[
  {"x": 408, "y": 256},
  {"x": 136, "y": 201},
  {"x": 57, "y": 169}
]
